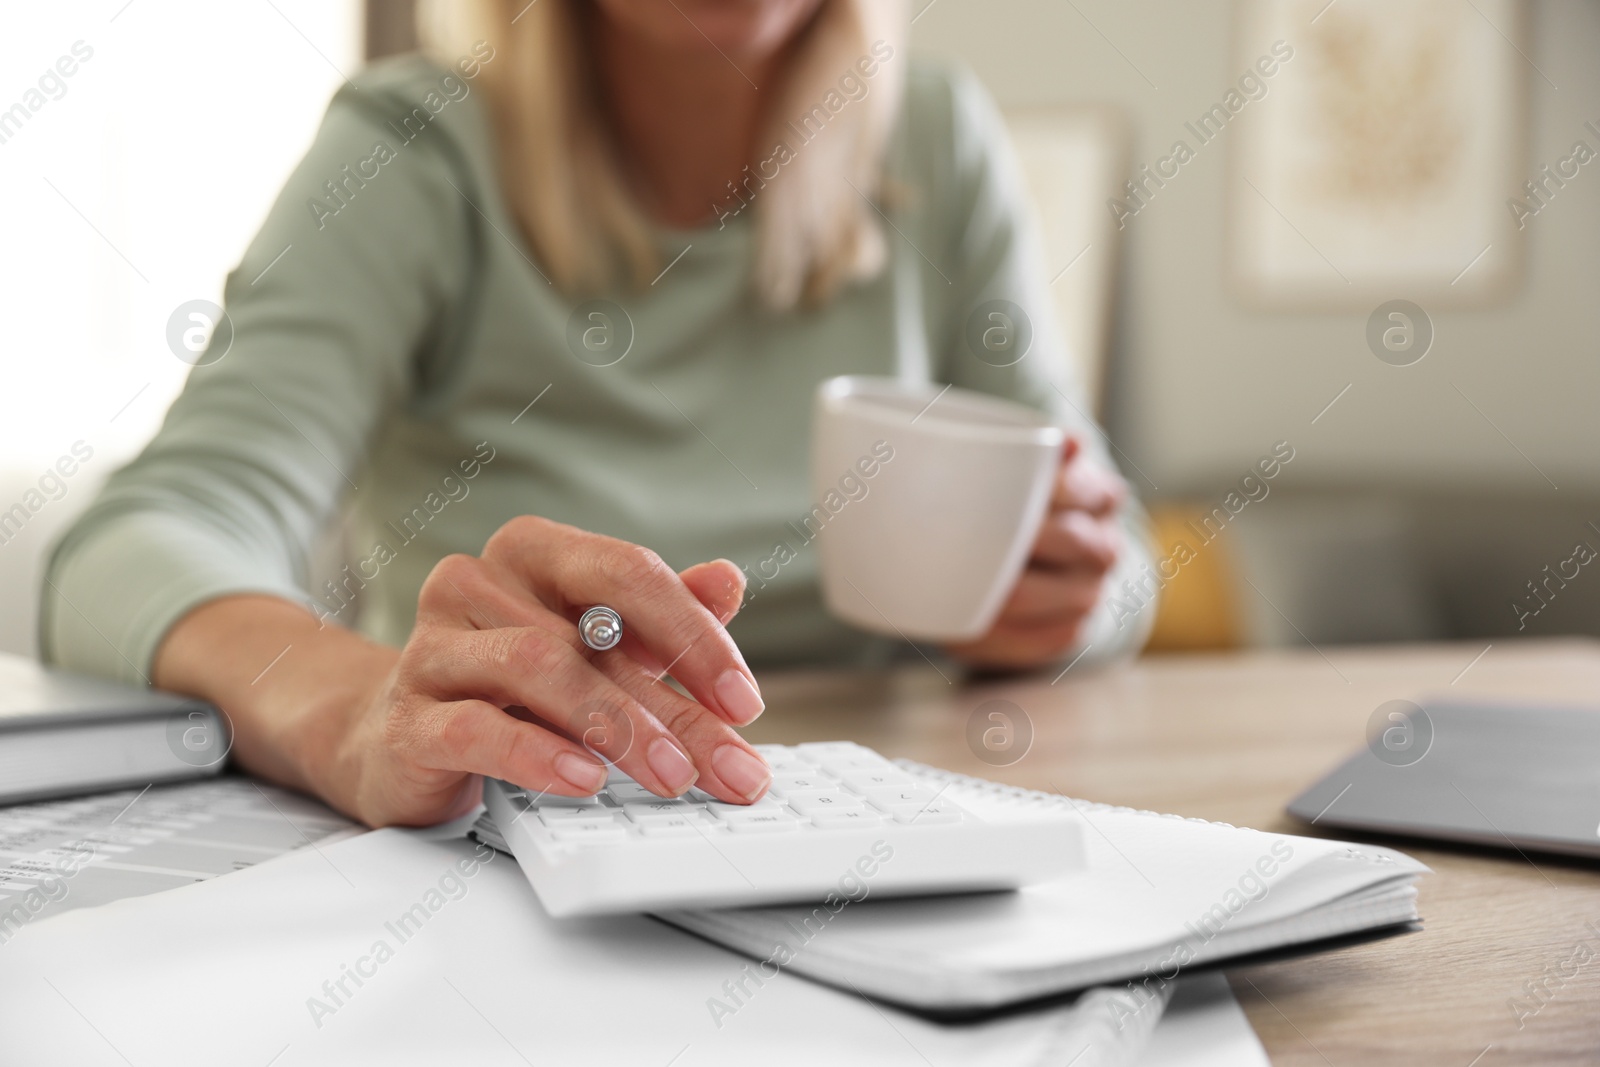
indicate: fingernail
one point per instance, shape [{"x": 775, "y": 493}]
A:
[
  {"x": 741, "y": 772},
  {"x": 738, "y": 696},
  {"x": 670, "y": 765},
  {"x": 580, "y": 773},
  {"x": 732, "y": 582}
]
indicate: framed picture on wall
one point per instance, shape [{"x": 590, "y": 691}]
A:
[{"x": 1377, "y": 159}]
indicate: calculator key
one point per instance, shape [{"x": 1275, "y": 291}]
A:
[
  {"x": 623, "y": 792},
  {"x": 776, "y": 755},
  {"x": 732, "y": 813},
  {"x": 863, "y": 779},
  {"x": 890, "y": 798},
  {"x": 935, "y": 814},
  {"x": 764, "y": 822},
  {"x": 545, "y": 800},
  {"x": 724, "y": 810},
  {"x": 832, "y": 748},
  {"x": 646, "y": 811},
  {"x": 558, "y": 823},
  {"x": 837, "y": 754},
  {"x": 799, "y": 783},
  {"x": 590, "y": 832},
  {"x": 671, "y": 826},
  {"x": 842, "y": 765},
  {"x": 845, "y": 818},
  {"x": 811, "y": 803},
  {"x": 560, "y": 816}
]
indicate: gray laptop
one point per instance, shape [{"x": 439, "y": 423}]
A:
[{"x": 1502, "y": 775}]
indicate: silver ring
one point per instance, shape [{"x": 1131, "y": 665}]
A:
[{"x": 600, "y": 628}]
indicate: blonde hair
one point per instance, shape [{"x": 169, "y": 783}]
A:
[{"x": 816, "y": 226}]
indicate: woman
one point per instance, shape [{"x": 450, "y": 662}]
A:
[{"x": 543, "y": 316}]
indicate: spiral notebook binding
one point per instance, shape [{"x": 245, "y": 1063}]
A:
[{"x": 1038, "y": 797}]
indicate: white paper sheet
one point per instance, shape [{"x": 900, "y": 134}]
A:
[
  {"x": 56, "y": 855},
  {"x": 1204, "y": 1027},
  {"x": 393, "y": 948}
]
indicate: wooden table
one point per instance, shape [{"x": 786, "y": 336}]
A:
[{"x": 1234, "y": 738}]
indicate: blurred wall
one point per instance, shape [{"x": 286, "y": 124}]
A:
[
  {"x": 1407, "y": 512},
  {"x": 131, "y": 193}
]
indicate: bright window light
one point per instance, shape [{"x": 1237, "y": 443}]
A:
[
  {"x": 133, "y": 185},
  {"x": 141, "y": 144}
]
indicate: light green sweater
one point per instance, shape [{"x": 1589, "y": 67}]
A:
[{"x": 362, "y": 380}]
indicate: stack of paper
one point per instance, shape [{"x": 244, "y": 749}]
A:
[
  {"x": 57, "y": 855},
  {"x": 420, "y": 947},
  {"x": 394, "y": 948}
]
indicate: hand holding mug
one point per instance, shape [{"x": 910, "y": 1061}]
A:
[{"x": 1078, "y": 543}]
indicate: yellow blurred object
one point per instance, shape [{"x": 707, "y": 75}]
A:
[{"x": 1199, "y": 605}]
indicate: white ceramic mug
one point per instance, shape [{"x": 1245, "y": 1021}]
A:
[{"x": 925, "y": 504}]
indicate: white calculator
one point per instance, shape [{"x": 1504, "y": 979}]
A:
[{"x": 838, "y": 816}]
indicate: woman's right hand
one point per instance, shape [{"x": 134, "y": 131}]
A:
[{"x": 402, "y": 738}]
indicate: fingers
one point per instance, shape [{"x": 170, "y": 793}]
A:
[
  {"x": 464, "y": 591},
  {"x": 1077, "y": 539},
  {"x": 1078, "y": 543},
  {"x": 483, "y": 635},
  {"x": 1047, "y": 597},
  {"x": 719, "y": 585},
  {"x": 1080, "y": 530},
  {"x": 1086, "y": 484},
  {"x": 1019, "y": 646},
  {"x": 570, "y": 570},
  {"x": 660, "y": 738},
  {"x": 543, "y": 672},
  {"x": 730, "y": 769},
  {"x": 476, "y": 737}
]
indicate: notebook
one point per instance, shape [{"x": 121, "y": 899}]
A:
[
  {"x": 62, "y": 734},
  {"x": 1163, "y": 895}
]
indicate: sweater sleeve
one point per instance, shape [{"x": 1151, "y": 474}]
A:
[
  {"x": 358, "y": 260},
  {"x": 1003, "y": 337}
]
